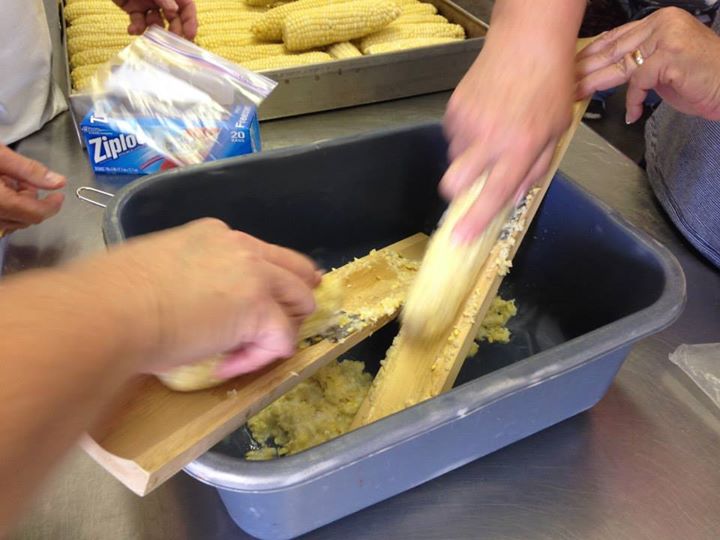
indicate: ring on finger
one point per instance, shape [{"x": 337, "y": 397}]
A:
[{"x": 638, "y": 57}]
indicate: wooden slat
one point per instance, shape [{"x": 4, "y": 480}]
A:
[
  {"x": 152, "y": 432},
  {"x": 415, "y": 369}
]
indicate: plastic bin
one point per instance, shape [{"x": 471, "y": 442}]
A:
[{"x": 587, "y": 286}]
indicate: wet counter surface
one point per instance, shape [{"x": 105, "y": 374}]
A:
[{"x": 643, "y": 464}]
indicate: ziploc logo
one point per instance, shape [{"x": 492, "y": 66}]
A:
[{"x": 104, "y": 148}]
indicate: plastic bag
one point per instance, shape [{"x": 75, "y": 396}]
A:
[
  {"x": 173, "y": 96},
  {"x": 702, "y": 364}
]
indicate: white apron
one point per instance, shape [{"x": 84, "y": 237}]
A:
[{"x": 28, "y": 96}]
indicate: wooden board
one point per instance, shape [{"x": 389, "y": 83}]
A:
[
  {"x": 416, "y": 370},
  {"x": 152, "y": 432}
]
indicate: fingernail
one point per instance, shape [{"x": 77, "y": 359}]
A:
[
  {"x": 53, "y": 179},
  {"x": 628, "y": 121}
]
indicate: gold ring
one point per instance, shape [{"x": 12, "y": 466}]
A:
[{"x": 638, "y": 58}]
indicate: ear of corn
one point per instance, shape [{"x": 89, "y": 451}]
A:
[
  {"x": 214, "y": 43},
  {"x": 223, "y": 31},
  {"x": 418, "y": 8},
  {"x": 405, "y": 31},
  {"x": 110, "y": 27},
  {"x": 328, "y": 301},
  {"x": 343, "y": 50},
  {"x": 99, "y": 19},
  {"x": 269, "y": 26},
  {"x": 287, "y": 61},
  {"x": 411, "y": 43},
  {"x": 416, "y": 18},
  {"x": 226, "y": 17},
  {"x": 307, "y": 29},
  {"x": 74, "y": 10},
  {"x": 201, "y": 375},
  {"x": 83, "y": 43},
  {"x": 246, "y": 53},
  {"x": 449, "y": 270},
  {"x": 261, "y": 3},
  {"x": 193, "y": 377},
  {"x": 92, "y": 56},
  {"x": 226, "y": 6},
  {"x": 81, "y": 75}
]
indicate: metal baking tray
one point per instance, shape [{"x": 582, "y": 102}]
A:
[
  {"x": 587, "y": 285},
  {"x": 370, "y": 79}
]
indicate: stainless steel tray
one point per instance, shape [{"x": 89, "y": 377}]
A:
[
  {"x": 371, "y": 79},
  {"x": 383, "y": 77}
]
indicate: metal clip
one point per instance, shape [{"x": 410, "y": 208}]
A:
[{"x": 79, "y": 192}]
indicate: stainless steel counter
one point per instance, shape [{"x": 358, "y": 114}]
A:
[{"x": 643, "y": 464}]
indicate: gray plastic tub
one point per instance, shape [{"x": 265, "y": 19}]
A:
[{"x": 587, "y": 285}]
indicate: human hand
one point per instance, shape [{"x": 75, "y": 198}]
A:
[
  {"x": 20, "y": 180},
  {"x": 181, "y": 15},
  {"x": 506, "y": 116},
  {"x": 203, "y": 289},
  {"x": 680, "y": 60}
]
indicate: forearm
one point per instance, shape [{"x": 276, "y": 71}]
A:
[
  {"x": 68, "y": 344},
  {"x": 551, "y": 26}
]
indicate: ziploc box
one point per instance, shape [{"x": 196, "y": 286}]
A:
[{"x": 113, "y": 151}]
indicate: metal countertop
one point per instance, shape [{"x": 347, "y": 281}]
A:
[{"x": 643, "y": 464}]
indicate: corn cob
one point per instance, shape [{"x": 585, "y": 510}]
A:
[
  {"x": 328, "y": 301},
  {"x": 97, "y": 20},
  {"x": 343, "y": 50},
  {"x": 417, "y": 18},
  {"x": 82, "y": 75},
  {"x": 269, "y": 26},
  {"x": 93, "y": 56},
  {"x": 310, "y": 28},
  {"x": 260, "y": 3},
  {"x": 224, "y": 32},
  {"x": 214, "y": 42},
  {"x": 193, "y": 377},
  {"x": 81, "y": 8},
  {"x": 405, "y": 31},
  {"x": 226, "y": 17},
  {"x": 214, "y": 6},
  {"x": 110, "y": 27},
  {"x": 240, "y": 55},
  {"x": 449, "y": 270},
  {"x": 418, "y": 8},
  {"x": 287, "y": 61},
  {"x": 83, "y": 43},
  {"x": 410, "y": 43}
]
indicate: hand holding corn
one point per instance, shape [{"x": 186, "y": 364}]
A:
[
  {"x": 214, "y": 290},
  {"x": 150, "y": 304},
  {"x": 511, "y": 108}
]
